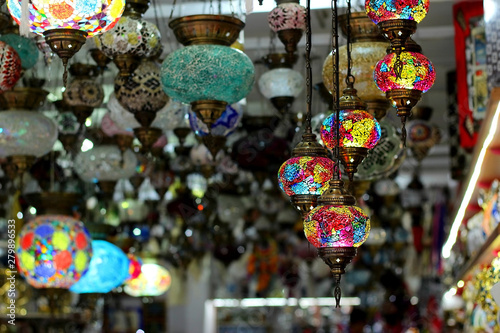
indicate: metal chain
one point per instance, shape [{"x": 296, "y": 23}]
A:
[
  {"x": 219, "y": 5},
  {"x": 335, "y": 84},
  {"x": 172, "y": 11},
  {"x": 231, "y": 8},
  {"x": 211, "y": 8},
  {"x": 349, "y": 78},
  {"x": 308, "y": 128}
]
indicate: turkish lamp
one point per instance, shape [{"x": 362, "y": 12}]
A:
[
  {"x": 397, "y": 19},
  {"x": 422, "y": 135},
  {"x": 336, "y": 227},
  {"x": 25, "y": 47},
  {"x": 10, "y": 67},
  {"x": 26, "y": 134},
  {"x": 288, "y": 20},
  {"x": 153, "y": 280},
  {"x": 207, "y": 73},
  {"x": 404, "y": 79},
  {"x": 359, "y": 131},
  {"x": 305, "y": 176}
]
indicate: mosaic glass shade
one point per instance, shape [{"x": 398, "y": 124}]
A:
[
  {"x": 336, "y": 226},
  {"x": 25, "y": 47},
  {"x": 385, "y": 157},
  {"x": 224, "y": 126},
  {"x": 134, "y": 268},
  {"x": 105, "y": 162},
  {"x": 141, "y": 92},
  {"x": 154, "y": 280},
  {"x": 358, "y": 128},
  {"x": 417, "y": 72},
  {"x": 365, "y": 56},
  {"x": 384, "y": 10},
  {"x": 287, "y": 16},
  {"x": 305, "y": 175},
  {"x": 67, "y": 123},
  {"x": 281, "y": 82},
  {"x": 27, "y": 133},
  {"x": 207, "y": 72},
  {"x": 53, "y": 251},
  {"x": 107, "y": 270},
  {"x": 93, "y": 17},
  {"x": 420, "y": 133},
  {"x": 10, "y": 67},
  {"x": 84, "y": 92},
  {"x": 130, "y": 36}
]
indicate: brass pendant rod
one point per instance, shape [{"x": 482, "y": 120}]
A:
[
  {"x": 349, "y": 78},
  {"x": 308, "y": 129},
  {"x": 336, "y": 94}
]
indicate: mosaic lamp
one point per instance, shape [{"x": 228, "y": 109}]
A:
[
  {"x": 368, "y": 46},
  {"x": 359, "y": 131},
  {"x": 397, "y": 18},
  {"x": 108, "y": 269},
  {"x": 25, "y": 47},
  {"x": 134, "y": 268},
  {"x": 67, "y": 25},
  {"x": 154, "y": 280},
  {"x": 288, "y": 20},
  {"x": 53, "y": 251},
  {"x": 131, "y": 39},
  {"x": 404, "y": 79},
  {"x": 281, "y": 84},
  {"x": 10, "y": 67},
  {"x": 207, "y": 73},
  {"x": 422, "y": 135}
]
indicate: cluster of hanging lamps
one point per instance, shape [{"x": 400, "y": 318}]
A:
[
  {"x": 288, "y": 20},
  {"x": 404, "y": 73},
  {"x": 66, "y": 25}
]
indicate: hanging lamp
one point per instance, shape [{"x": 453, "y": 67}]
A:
[
  {"x": 288, "y": 20},
  {"x": 67, "y": 25},
  {"x": 10, "y": 67},
  {"x": 207, "y": 73}
]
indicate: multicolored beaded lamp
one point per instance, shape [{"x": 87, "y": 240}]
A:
[
  {"x": 404, "y": 80},
  {"x": 359, "y": 130},
  {"x": 154, "y": 280},
  {"x": 207, "y": 73},
  {"x": 288, "y": 20},
  {"x": 67, "y": 25},
  {"x": 10, "y": 67},
  {"x": 397, "y": 18},
  {"x": 53, "y": 251}
]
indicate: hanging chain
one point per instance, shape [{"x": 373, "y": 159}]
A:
[
  {"x": 172, "y": 11},
  {"x": 219, "y": 5},
  {"x": 272, "y": 44},
  {"x": 349, "y": 78},
  {"x": 231, "y": 8},
  {"x": 308, "y": 68},
  {"x": 335, "y": 84},
  {"x": 211, "y": 8}
]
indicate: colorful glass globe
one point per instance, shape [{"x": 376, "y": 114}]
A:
[
  {"x": 286, "y": 16},
  {"x": 94, "y": 17},
  {"x": 154, "y": 280},
  {"x": 141, "y": 92},
  {"x": 358, "y": 129},
  {"x": 84, "y": 91},
  {"x": 417, "y": 72},
  {"x": 25, "y": 47},
  {"x": 53, "y": 251},
  {"x": 419, "y": 132},
  {"x": 10, "y": 67},
  {"x": 107, "y": 270},
  {"x": 130, "y": 35},
  {"x": 207, "y": 72},
  {"x": 384, "y": 10},
  {"x": 280, "y": 82},
  {"x": 305, "y": 175},
  {"x": 364, "y": 58},
  {"x": 105, "y": 162},
  {"x": 28, "y": 133},
  {"x": 134, "y": 268},
  {"x": 224, "y": 126},
  {"x": 336, "y": 226}
]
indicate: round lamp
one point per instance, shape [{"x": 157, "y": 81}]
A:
[
  {"x": 288, "y": 20},
  {"x": 281, "y": 82},
  {"x": 53, "y": 251},
  {"x": 10, "y": 67},
  {"x": 134, "y": 268},
  {"x": 154, "y": 280},
  {"x": 25, "y": 47},
  {"x": 108, "y": 269}
]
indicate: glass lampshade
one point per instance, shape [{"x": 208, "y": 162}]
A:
[
  {"x": 287, "y": 16},
  {"x": 358, "y": 128},
  {"x": 10, "y": 67},
  {"x": 25, "y": 47},
  {"x": 84, "y": 91},
  {"x": 417, "y": 72},
  {"x": 420, "y": 133},
  {"x": 130, "y": 35},
  {"x": 207, "y": 72},
  {"x": 27, "y": 133},
  {"x": 224, "y": 126},
  {"x": 154, "y": 280},
  {"x": 364, "y": 58},
  {"x": 305, "y": 175},
  {"x": 337, "y": 226},
  {"x": 67, "y": 123},
  {"x": 109, "y": 127},
  {"x": 53, "y": 251},
  {"x": 105, "y": 162},
  {"x": 384, "y": 10},
  {"x": 107, "y": 270},
  {"x": 93, "y": 17},
  {"x": 281, "y": 82},
  {"x": 134, "y": 268},
  {"x": 141, "y": 92}
]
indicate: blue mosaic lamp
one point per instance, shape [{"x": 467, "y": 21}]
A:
[
  {"x": 108, "y": 269},
  {"x": 207, "y": 73},
  {"x": 25, "y": 47}
]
